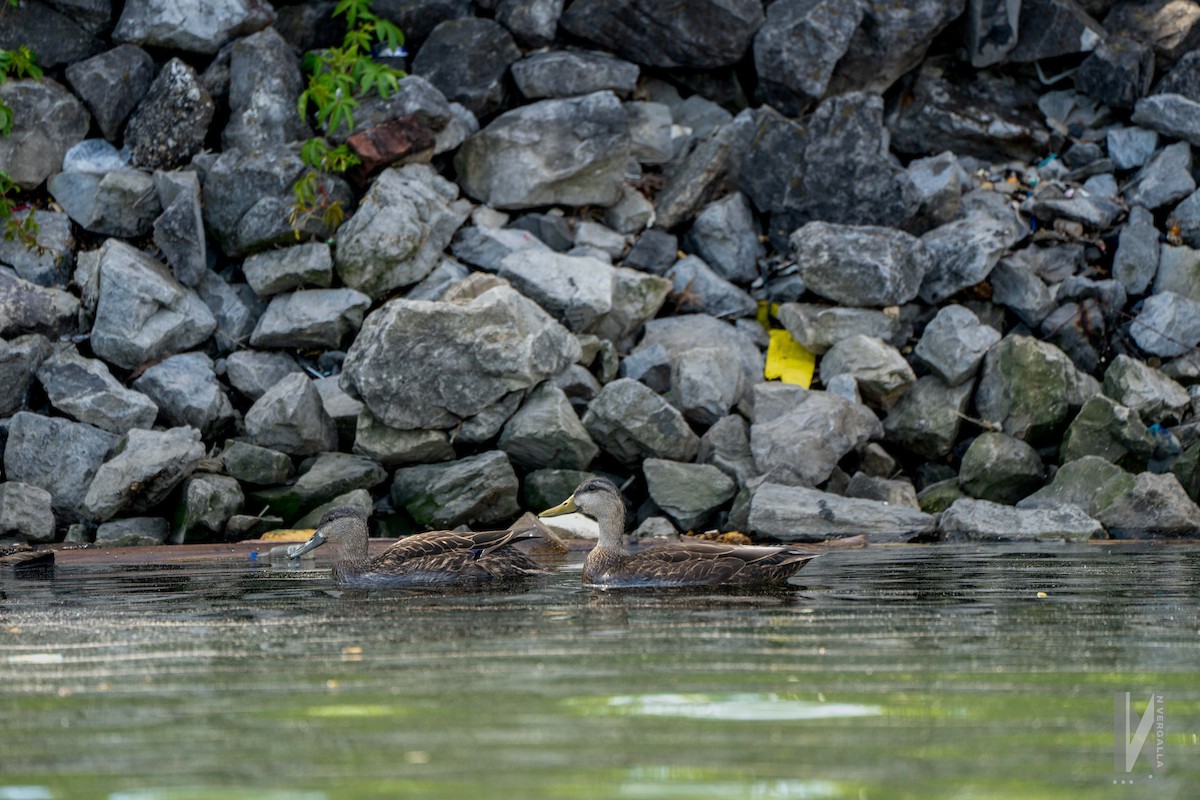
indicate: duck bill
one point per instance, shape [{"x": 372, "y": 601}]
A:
[
  {"x": 313, "y": 543},
  {"x": 565, "y": 507}
]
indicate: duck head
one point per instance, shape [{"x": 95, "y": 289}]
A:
[
  {"x": 345, "y": 526},
  {"x": 599, "y": 499}
]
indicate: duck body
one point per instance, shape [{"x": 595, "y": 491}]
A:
[
  {"x": 432, "y": 559},
  {"x": 676, "y": 564}
]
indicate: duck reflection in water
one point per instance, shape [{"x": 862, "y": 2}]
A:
[{"x": 677, "y": 564}]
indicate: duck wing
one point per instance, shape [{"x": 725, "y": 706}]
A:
[
  {"x": 472, "y": 544},
  {"x": 712, "y": 563}
]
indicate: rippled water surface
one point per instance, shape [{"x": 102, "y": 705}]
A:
[{"x": 909, "y": 672}]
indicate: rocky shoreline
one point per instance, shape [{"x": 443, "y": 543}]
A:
[{"x": 578, "y": 236}]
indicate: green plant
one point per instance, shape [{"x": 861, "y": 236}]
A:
[
  {"x": 337, "y": 77},
  {"x": 19, "y": 63}
]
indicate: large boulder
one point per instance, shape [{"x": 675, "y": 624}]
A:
[
  {"x": 397, "y": 235},
  {"x": 631, "y": 422},
  {"x": 797, "y": 48},
  {"x": 1155, "y": 506},
  {"x": 467, "y": 60},
  {"x": 85, "y": 389},
  {"x": 47, "y": 122},
  {"x": 291, "y": 418},
  {"x": 546, "y": 433},
  {"x": 422, "y": 364},
  {"x": 265, "y": 82},
  {"x": 145, "y": 468},
  {"x": 187, "y": 392},
  {"x": 197, "y": 26},
  {"x": 554, "y": 152},
  {"x": 797, "y": 513},
  {"x": 860, "y": 265},
  {"x": 28, "y": 308},
  {"x": 927, "y": 419},
  {"x": 57, "y": 455},
  {"x": 480, "y": 490},
  {"x": 982, "y": 520},
  {"x": 687, "y": 493}
]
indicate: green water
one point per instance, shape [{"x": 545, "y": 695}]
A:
[{"x": 905, "y": 672}]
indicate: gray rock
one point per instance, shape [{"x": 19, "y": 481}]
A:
[
  {"x": 1156, "y": 506},
  {"x": 697, "y": 287},
  {"x": 414, "y": 97},
  {"x": 631, "y": 422},
  {"x": 486, "y": 425},
  {"x": 651, "y": 132},
  {"x": 1172, "y": 115},
  {"x": 687, "y": 493},
  {"x": 145, "y": 468},
  {"x": 265, "y": 83},
  {"x": 322, "y": 478},
  {"x": 133, "y": 532},
  {"x": 820, "y": 327},
  {"x": 797, "y": 48},
  {"x": 636, "y": 299},
  {"x": 706, "y": 382},
  {"x": 1185, "y": 217},
  {"x": 1091, "y": 483},
  {"x": 291, "y": 418},
  {"x": 28, "y": 308},
  {"x": 889, "y": 492},
  {"x": 1130, "y": 148},
  {"x": 576, "y": 291},
  {"x": 954, "y": 343},
  {"x": 209, "y": 501},
  {"x": 50, "y": 263},
  {"x": 654, "y": 251},
  {"x": 770, "y": 170},
  {"x": 466, "y": 59},
  {"x": 964, "y": 252},
  {"x": 1137, "y": 258},
  {"x": 1165, "y": 179},
  {"x": 248, "y": 198},
  {"x": 170, "y": 124},
  {"x": 111, "y": 85},
  {"x": 545, "y": 432},
  {"x": 19, "y": 361},
  {"x": 1140, "y": 387},
  {"x": 1111, "y": 431},
  {"x": 860, "y": 265},
  {"x": 485, "y": 248},
  {"x": 142, "y": 312},
  {"x": 882, "y": 374},
  {"x": 1118, "y": 72},
  {"x": 253, "y": 373},
  {"x": 703, "y": 175},
  {"x": 179, "y": 230},
  {"x": 186, "y": 391},
  {"x": 689, "y": 331},
  {"x": 532, "y": 23},
  {"x": 725, "y": 235},
  {"x": 632, "y": 213},
  {"x": 796, "y": 513},
  {"x": 891, "y": 41},
  {"x": 343, "y": 409},
  {"x": 395, "y": 448},
  {"x": 58, "y": 456},
  {"x": 849, "y": 177},
  {"x": 939, "y": 186},
  {"x": 1178, "y": 272},
  {"x": 1170, "y": 28},
  {"x": 1016, "y": 286},
  {"x": 1183, "y": 78},
  {"x": 982, "y": 520},
  {"x": 447, "y": 273},
  {"x": 927, "y": 419},
  {"x": 650, "y": 365},
  {"x": 47, "y": 121},
  {"x": 235, "y": 307},
  {"x": 703, "y": 35},
  {"x": 798, "y": 436},
  {"x": 397, "y": 235},
  {"x": 1167, "y": 325},
  {"x": 252, "y": 464},
  {"x": 1000, "y": 468},
  {"x": 480, "y": 490},
  {"x": 550, "y": 229},
  {"x": 191, "y": 25},
  {"x": 120, "y": 203},
  {"x": 419, "y": 364},
  {"x": 1054, "y": 28},
  {"x": 594, "y": 236},
  {"x": 991, "y": 30},
  {"x": 1028, "y": 387},
  {"x": 316, "y": 318},
  {"x": 567, "y": 73},
  {"x": 982, "y": 114},
  {"x": 25, "y": 513},
  {"x": 50, "y": 33},
  {"x": 1088, "y": 204},
  {"x": 84, "y": 389},
  {"x": 275, "y": 271},
  {"x": 553, "y": 152},
  {"x": 726, "y": 445}
]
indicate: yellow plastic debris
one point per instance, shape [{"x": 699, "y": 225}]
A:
[
  {"x": 288, "y": 535},
  {"x": 789, "y": 360}
]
